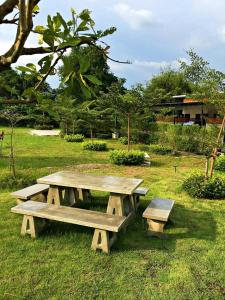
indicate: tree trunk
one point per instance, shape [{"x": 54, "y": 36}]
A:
[
  {"x": 206, "y": 167},
  {"x": 214, "y": 154},
  {"x": 11, "y": 159},
  {"x": 91, "y": 132},
  {"x": 128, "y": 132}
]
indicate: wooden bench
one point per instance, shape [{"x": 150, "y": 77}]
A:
[
  {"x": 157, "y": 214},
  {"x": 37, "y": 192},
  {"x": 106, "y": 225},
  {"x": 136, "y": 196}
]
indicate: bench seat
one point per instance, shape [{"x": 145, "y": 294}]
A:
[
  {"x": 141, "y": 191},
  {"x": 30, "y": 192},
  {"x": 157, "y": 214},
  {"x": 136, "y": 197},
  {"x": 102, "y": 222}
]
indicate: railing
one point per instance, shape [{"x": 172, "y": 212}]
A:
[{"x": 184, "y": 120}]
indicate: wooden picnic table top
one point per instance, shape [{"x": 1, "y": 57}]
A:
[{"x": 112, "y": 184}]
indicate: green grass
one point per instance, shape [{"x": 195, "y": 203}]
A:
[{"x": 60, "y": 264}]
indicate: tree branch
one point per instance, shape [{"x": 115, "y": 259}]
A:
[{"x": 7, "y": 7}]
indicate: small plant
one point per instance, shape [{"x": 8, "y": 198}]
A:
[
  {"x": 74, "y": 138},
  {"x": 160, "y": 149},
  {"x": 123, "y": 140},
  {"x": 220, "y": 163},
  {"x": 8, "y": 181},
  {"x": 96, "y": 146},
  {"x": 43, "y": 126},
  {"x": 198, "y": 186},
  {"x": 122, "y": 157}
]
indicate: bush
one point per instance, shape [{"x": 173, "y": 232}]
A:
[
  {"x": 160, "y": 149},
  {"x": 197, "y": 186},
  {"x": 43, "y": 126},
  {"x": 104, "y": 136},
  {"x": 122, "y": 157},
  {"x": 220, "y": 163},
  {"x": 74, "y": 138},
  {"x": 123, "y": 140},
  {"x": 7, "y": 181},
  {"x": 96, "y": 146}
]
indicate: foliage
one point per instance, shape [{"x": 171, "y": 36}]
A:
[
  {"x": 77, "y": 138},
  {"x": 123, "y": 140},
  {"x": 122, "y": 157},
  {"x": 43, "y": 126},
  {"x": 21, "y": 180},
  {"x": 198, "y": 186},
  {"x": 55, "y": 38},
  {"x": 220, "y": 163},
  {"x": 95, "y": 146},
  {"x": 168, "y": 83},
  {"x": 93, "y": 61},
  {"x": 160, "y": 149}
]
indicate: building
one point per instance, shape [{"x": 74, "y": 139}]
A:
[{"x": 188, "y": 110}]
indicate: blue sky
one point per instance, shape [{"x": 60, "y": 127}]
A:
[{"x": 151, "y": 34}]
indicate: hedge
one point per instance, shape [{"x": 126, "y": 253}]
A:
[{"x": 123, "y": 157}]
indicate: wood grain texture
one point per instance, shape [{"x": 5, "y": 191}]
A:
[
  {"x": 71, "y": 215},
  {"x": 159, "y": 209},
  {"x": 113, "y": 184},
  {"x": 30, "y": 191}
]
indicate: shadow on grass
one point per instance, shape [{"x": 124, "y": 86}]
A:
[{"x": 185, "y": 224}]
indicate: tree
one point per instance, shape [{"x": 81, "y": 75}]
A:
[
  {"x": 127, "y": 105},
  {"x": 92, "y": 61},
  {"x": 59, "y": 35},
  {"x": 207, "y": 84},
  {"x": 13, "y": 117},
  {"x": 168, "y": 83}
]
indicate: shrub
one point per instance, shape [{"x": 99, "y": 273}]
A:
[
  {"x": 122, "y": 157},
  {"x": 123, "y": 140},
  {"x": 220, "y": 163},
  {"x": 197, "y": 186},
  {"x": 74, "y": 138},
  {"x": 160, "y": 149},
  {"x": 96, "y": 146},
  {"x": 104, "y": 136},
  {"x": 43, "y": 126},
  {"x": 7, "y": 181}
]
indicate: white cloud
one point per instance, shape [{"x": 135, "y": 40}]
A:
[
  {"x": 222, "y": 34},
  {"x": 136, "y": 18}
]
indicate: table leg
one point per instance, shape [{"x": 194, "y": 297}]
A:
[
  {"x": 71, "y": 196},
  {"x": 116, "y": 204},
  {"x": 55, "y": 195}
]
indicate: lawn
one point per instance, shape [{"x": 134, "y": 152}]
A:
[{"x": 59, "y": 264}]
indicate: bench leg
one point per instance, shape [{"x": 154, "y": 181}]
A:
[
  {"x": 155, "y": 227},
  {"x": 101, "y": 241},
  {"x": 28, "y": 226},
  {"x": 54, "y": 195}
]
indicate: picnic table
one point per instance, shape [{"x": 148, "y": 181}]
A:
[{"x": 69, "y": 186}]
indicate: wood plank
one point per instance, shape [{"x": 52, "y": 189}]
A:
[
  {"x": 71, "y": 215},
  {"x": 113, "y": 184},
  {"x": 30, "y": 191},
  {"x": 159, "y": 209}
]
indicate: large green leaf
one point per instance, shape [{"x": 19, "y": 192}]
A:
[{"x": 93, "y": 79}]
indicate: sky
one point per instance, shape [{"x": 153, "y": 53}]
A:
[{"x": 152, "y": 34}]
